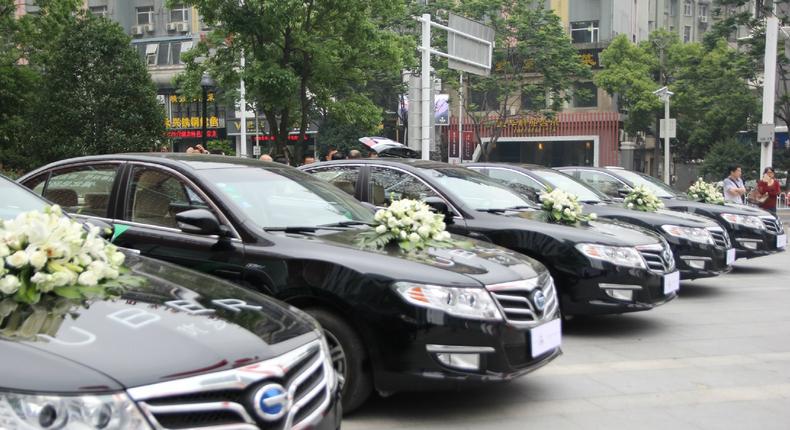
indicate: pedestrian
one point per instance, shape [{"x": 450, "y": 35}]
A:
[
  {"x": 770, "y": 186},
  {"x": 339, "y": 155},
  {"x": 191, "y": 150},
  {"x": 266, "y": 157},
  {"x": 354, "y": 154},
  {"x": 330, "y": 154},
  {"x": 734, "y": 190},
  {"x": 308, "y": 160}
]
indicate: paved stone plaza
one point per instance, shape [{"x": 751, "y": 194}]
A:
[{"x": 718, "y": 357}]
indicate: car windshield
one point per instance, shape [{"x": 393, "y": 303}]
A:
[
  {"x": 566, "y": 183},
  {"x": 476, "y": 190},
  {"x": 658, "y": 188},
  {"x": 17, "y": 200},
  {"x": 285, "y": 197}
]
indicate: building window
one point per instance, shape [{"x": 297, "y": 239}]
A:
[
  {"x": 688, "y": 8},
  {"x": 673, "y": 7},
  {"x": 585, "y": 95},
  {"x": 484, "y": 100},
  {"x": 151, "y": 53},
  {"x": 179, "y": 13},
  {"x": 687, "y": 34},
  {"x": 99, "y": 11},
  {"x": 584, "y": 31},
  {"x": 145, "y": 15},
  {"x": 180, "y": 49},
  {"x": 703, "y": 9}
]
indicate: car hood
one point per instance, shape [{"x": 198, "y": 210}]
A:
[
  {"x": 653, "y": 219},
  {"x": 159, "y": 331},
  {"x": 605, "y": 232},
  {"x": 470, "y": 263},
  {"x": 711, "y": 210}
]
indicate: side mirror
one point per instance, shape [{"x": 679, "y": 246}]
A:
[
  {"x": 440, "y": 206},
  {"x": 369, "y": 206},
  {"x": 622, "y": 192},
  {"x": 105, "y": 229},
  {"x": 198, "y": 221}
]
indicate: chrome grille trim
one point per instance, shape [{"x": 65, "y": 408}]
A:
[
  {"x": 514, "y": 298},
  {"x": 310, "y": 360},
  {"x": 771, "y": 224},
  {"x": 720, "y": 237},
  {"x": 658, "y": 257}
]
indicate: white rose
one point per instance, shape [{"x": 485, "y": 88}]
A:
[
  {"x": 424, "y": 231},
  {"x": 381, "y": 229},
  {"x": 443, "y": 236},
  {"x": 88, "y": 279},
  {"x": 593, "y": 217},
  {"x": 9, "y": 284},
  {"x": 38, "y": 259},
  {"x": 630, "y": 206},
  {"x": 566, "y": 211},
  {"x": 4, "y": 251},
  {"x": 17, "y": 259},
  {"x": 63, "y": 278},
  {"x": 403, "y": 235},
  {"x": 640, "y": 201},
  {"x": 414, "y": 237}
]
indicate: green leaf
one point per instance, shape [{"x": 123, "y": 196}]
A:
[{"x": 68, "y": 292}]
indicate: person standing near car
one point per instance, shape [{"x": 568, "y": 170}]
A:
[
  {"x": 770, "y": 186},
  {"x": 734, "y": 190}
]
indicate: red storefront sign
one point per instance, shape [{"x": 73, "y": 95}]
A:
[{"x": 191, "y": 134}]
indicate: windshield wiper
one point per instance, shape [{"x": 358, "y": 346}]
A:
[
  {"x": 348, "y": 223},
  {"x": 302, "y": 228}
]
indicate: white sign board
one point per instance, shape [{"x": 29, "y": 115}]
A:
[
  {"x": 672, "y": 131},
  {"x": 765, "y": 133},
  {"x": 256, "y": 150},
  {"x": 458, "y": 45}
]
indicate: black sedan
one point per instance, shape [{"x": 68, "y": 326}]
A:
[
  {"x": 603, "y": 267},
  {"x": 754, "y": 232},
  {"x": 181, "y": 350},
  {"x": 701, "y": 247},
  {"x": 394, "y": 320}
]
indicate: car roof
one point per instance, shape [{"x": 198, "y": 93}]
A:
[
  {"x": 528, "y": 166},
  {"x": 386, "y": 161},
  {"x": 175, "y": 160}
]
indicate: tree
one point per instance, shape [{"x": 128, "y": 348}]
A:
[
  {"x": 533, "y": 60},
  {"x": 96, "y": 95},
  {"x": 302, "y": 57},
  {"x": 726, "y": 153}
]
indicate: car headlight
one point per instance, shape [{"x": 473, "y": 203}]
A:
[
  {"x": 473, "y": 303},
  {"x": 332, "y": 377},
  {"x": 700, "y": 235},
  {"x": 621, "y": 256},
  {"x": 744, "y": 220},
  {"x": 30, "y": 411}
]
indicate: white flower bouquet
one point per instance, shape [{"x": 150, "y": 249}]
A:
[
  {"x": 410, "y": 223},
  {"x": 46, "y": 253},
  {"x": 705, "y": 192},
  {"x": 641, "y": 199},
  {"x": 563, "y": 208}
]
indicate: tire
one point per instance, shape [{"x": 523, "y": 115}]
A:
[{"x": 348, "y": 358}]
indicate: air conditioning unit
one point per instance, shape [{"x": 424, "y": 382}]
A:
[
  {"x": 703, "y": 19},
  {"x": 182, "y": 27},
  {"x": 171, "y": 26},
  {"x": 137, "y": 30},
  {"x": 149, "y": 28}
]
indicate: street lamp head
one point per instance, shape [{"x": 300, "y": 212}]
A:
[{"x": 206, "y": 81}]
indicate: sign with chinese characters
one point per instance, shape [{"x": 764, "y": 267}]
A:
[
  {"x": 184, "y": 113},
  {"x": 191, "y": 134},
  {"x": 590, "y": 57}
]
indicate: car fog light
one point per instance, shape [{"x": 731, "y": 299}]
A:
[
  {"x": 460, "y": 361},
  {"x": 696, "y": 264},
  {"x": 748, "y": 244},
  {"x": 627, "y": 295}
]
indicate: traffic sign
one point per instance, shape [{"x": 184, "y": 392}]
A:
[
  {"x": 256, "y": 150},
  {"x": 765, "y": 133},
  {"x": 672, "y": 131}
]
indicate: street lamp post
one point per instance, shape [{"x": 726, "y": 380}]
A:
[
  {"x": 664, "y": 94},
  {"x": 205, "y": 83}
]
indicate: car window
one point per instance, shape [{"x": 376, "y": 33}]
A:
[
  {"x": 571, "y": 185},
  {"x": 17, "y": 200},
  {"x": 387, "y": 185},
  {"x": 343, "y": 177},
  {"x": 601, "y": 182},
  {"x": 155, "y": 197},
  {"x": 476, "y": 190},
  {"x": 654, "y": 185},
  {"x": 83, "y": 190},
  {"x": 517, "y": 181}
]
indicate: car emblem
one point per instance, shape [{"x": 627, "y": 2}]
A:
[
  {"x": 539, "y": 299},
  {"x": 271, "y": 402}
]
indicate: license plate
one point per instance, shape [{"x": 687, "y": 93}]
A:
[
  {"x": 546, "y": 337},
  {"x": 781, "y": 241},
  {"x": 671, "y": 282},
  {"x": 730, "y": 256}
]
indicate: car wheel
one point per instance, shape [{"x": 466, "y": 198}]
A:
[{"x": 348, "y": 358}]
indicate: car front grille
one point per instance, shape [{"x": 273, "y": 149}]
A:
[
  {"x": 772, "y": 224},
  {"x": 518, "y": 300},
  {"x": 720, "y": 237},
  {"x": 658, "y": 257},
  {"x": 224, "y": 400}
]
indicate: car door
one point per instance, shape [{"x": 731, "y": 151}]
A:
[
  {"x": 603, "y": 182},
  {"x": 150, "y": 199},
  {"x": 85, "y": 191}
]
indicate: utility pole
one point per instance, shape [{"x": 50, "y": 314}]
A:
[
  {"x": 769, "y": 86},
  {"x": 425, "y": 85}
]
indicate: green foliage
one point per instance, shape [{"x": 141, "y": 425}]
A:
[
  {"x": 303, "y": 58},
  {"x": 729, "y": 152},
  {"x": 70, "y": 85},
  {"x": 225, "y": 146}
]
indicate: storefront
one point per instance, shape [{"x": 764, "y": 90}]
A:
[
  {"x": 584, "y": 138},
  {"x": 184, "y": 122}
]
